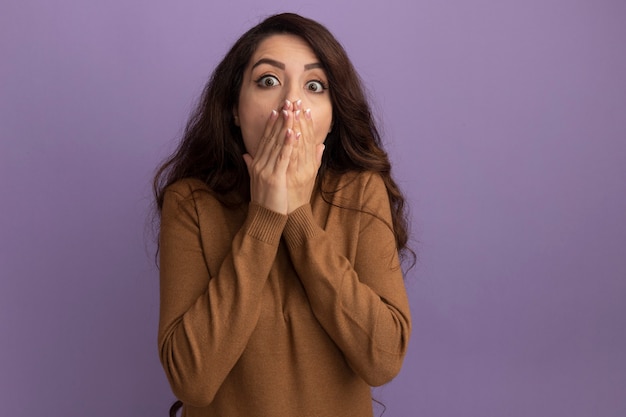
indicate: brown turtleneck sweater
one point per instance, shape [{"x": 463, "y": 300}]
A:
[{"x": 264, "y": 314}]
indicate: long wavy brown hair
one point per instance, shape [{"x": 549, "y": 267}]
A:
[{"x": 211, "y": 148}]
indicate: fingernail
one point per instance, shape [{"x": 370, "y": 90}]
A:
[
  {"x": 297, "y": 114},
  {"x": 287, "y": 104},
  {"x": 298, "y": 104},
  {"x": 274, "y": 114},
  {"x": 289, "y": 132},
  {"x": 298, "y": 135},
  {"x": 286, "y": 114},
  {"x": 307, "y": 113}
]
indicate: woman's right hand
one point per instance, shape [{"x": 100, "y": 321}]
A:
[{"x": 268, "y": 168}]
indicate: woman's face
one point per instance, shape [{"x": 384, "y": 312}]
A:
[{"x": 283, "y": 68}]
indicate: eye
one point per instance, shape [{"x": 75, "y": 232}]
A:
[
  {"x": 268, "y": 81},
  {"x": 315, "y": 86}
]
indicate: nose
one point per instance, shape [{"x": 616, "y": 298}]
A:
[{"x": 292, "y": 92}]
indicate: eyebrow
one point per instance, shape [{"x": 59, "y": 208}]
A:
[
  {"x": 313, "y": 65},
  {"x": 280, "y": 65},
  {"x": 269, "y": 61}
]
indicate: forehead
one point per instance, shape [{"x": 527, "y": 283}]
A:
[{"x": 285, "y": 48}]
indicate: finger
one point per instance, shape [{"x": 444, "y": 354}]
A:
[
  {"x": 308, "y": 124},
  {"x": 271, "y": 126},
  {"x": 285, "y": 107},
  {"x": 308, "y": 132},
  {"x": 272, "y": 152},
  {"x": 298, "y": 128},
  {"x": 268, "y": 135},
  {"x": 248, "y": 160},
  {"x": 281, "y": 136},
  {"x": 297, "y": 124},
  {"x": 284, "y": 155},
  {"x": 268, "y": 152},
  {"x": 297, "y": 114}
]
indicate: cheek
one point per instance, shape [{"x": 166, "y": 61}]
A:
[
  {"x": 322, "y": 125},
  {"x": 252, "y": 124},
  {"x": 251, "y": 130}
]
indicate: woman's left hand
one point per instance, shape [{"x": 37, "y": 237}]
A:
[{"x": 305, "y": 160}]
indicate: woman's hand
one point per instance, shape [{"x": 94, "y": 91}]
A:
[
  {"x": 305, "y": 159},
  {"x": 268, "y": 168}
]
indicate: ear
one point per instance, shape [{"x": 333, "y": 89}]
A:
[{"x": 236, "y": 116}]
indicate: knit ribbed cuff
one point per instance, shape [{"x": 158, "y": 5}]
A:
[
  {"x": 300, "y": 226},
  {"x": 264, "y": 224}
]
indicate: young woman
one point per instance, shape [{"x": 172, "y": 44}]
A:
[{"x": 282, "y": 234}]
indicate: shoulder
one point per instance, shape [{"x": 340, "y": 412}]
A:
[
  {"x": 192, "y": 192},
  {"x": 184, "y": 196},
  {"x": 360, "y": 193},
  {"x": 356, "y": 186},
  {"x": 186, "y": 188},
  {"x": 192, "y": 198}
]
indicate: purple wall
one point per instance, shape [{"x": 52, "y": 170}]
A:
[{"x": 507, "y": 124}]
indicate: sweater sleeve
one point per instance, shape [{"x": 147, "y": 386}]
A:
[
  {"x": 362, "y": 305},
  {"x": 206, "y": 318}
]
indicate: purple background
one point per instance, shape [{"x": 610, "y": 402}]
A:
[{"x": 507, "y": 124}]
